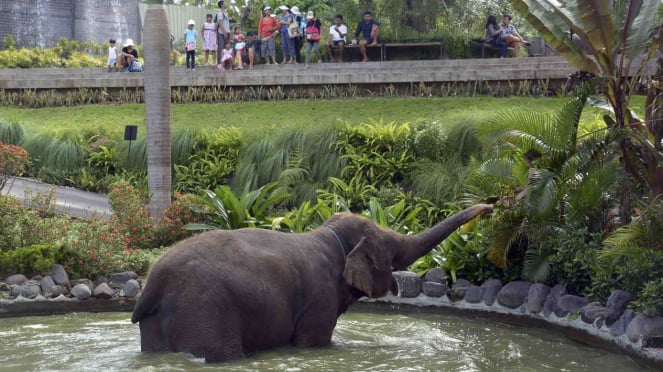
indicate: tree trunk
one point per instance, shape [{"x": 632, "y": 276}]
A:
[{"x": 156, "y": 48}]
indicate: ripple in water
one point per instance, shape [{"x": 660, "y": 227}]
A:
[{"x": 362, "y": 342}]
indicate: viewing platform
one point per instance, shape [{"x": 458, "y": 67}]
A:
[{"x": 551, "y": 70}]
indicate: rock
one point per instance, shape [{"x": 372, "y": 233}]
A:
[
  {"x": 409, "y": 284},
  {"x": 57, "y": 290},
  {"x": 568, "y": 304},
  {"x": 131, "y": 288},
  {"x": 16, "y": 279},
  {"x": 653, "y": 342},
  {"x": 590, "y": 313},
  {"x": 87, "y": 282},
  {"x": 47, "y": 284},
  {"x": 551, "y": 302},
  {"x": 536, "y": 297},
  {"x": 457, "y": 294},
  {"x": 36, "y": 278},
  {"x": 474, "y": 294},
  {"x": 513, "y": 294},
  {"x": 461, "y": 283},
  {"x": 433, "y": 289},
  {"x": 117, "y": 280},
  {"x": 616, "y": 305},
  {"x": 436, "y": 275},
  {"x": 28, "y": 289},
  {"x": 103, "y": 291},
  {"x": 619, "y": 327},
  {"x": 644, "y": 327},
  {"x": 81, "y": 291},
  {"x": 99, "y": 279},
  {"x": 491, "y": 288},
  {"x": 59, "y": 275}
]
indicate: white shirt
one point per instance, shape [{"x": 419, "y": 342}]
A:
[
  {"x": 112, "y": 53},
  {"x": 335, "y": 35}
]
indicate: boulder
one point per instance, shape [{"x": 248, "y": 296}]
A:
[
  {"x": 131, "y": 288},
  {"x": 457, "y": 294},
  {"x": 592, "y": 312},
  {"x": 87, "y": 282},
  {"x": 16, "y": 279},
  {"x": 513, "y": 294},
  {"x": 28, "y": 289},
  {"x": 568, "y": 304},
  {"x": 558, "y": 290},
  {"x": 59, "y": 275},
  {"x": 536, "y": 297},
  {"x": 550, "y": 304},
  {"x": 616, "y": 305},
  {"x": 409, "y": 283},
  {"x": 643, "y": 327},
  {"x": 433, "y": 289},
  {"x": 99, "y": 279},
  {"x": 619, "y": 327},
  {"x": 436, "y": 275},
  {"x": 474, "y": 294},
  {"x": 491, "y": 288},
  {"x": 117, "y": 280},
  {"x": 461, "y": 283},
  {"x": 81, "y": 291},
  {"x": 103, "y": 291},
  {"x": 47, "y": 284}
]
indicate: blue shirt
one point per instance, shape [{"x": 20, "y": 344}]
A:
[
  {"x": 366, "y": 28},
  {"x": 190, "y": 36},
  {"x": 284, "y": 20}
]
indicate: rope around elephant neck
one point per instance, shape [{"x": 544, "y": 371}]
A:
[{"x": 340, "y": 243}]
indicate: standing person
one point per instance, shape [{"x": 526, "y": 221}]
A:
[
  {"x": 337, "y": 34},
  {"x": 299, "y": 40},
  {"x": 370, "y": 31},
  {"x": 494, "y": 35},
  {"x": 223, "y": 29},
  {"x": 287, "y": 44},
  {"x": 112, "y": 56},
  {"x": 267, "y": 31},
  {"x": 190, "y": 35},
  {"x": 209, "y": 37},
  {"x": 510, "y": 36},
  {"x": 313, "y": 32}
]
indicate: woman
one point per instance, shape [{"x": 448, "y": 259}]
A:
[
  {"x": 287, "y": 43},
  {"x": 129, "y": 57},
  {"x": 494, "y": 35},
  {"x": 313, "y": 35}
]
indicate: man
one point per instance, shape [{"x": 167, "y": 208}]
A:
[
  {"x": 510, "y": 36},
  {"x": 222, "y": 28},
  {"x": 267, "y": 30},
  {"x": 370, "y": 31},
  {"x": 337, "y": 34}
]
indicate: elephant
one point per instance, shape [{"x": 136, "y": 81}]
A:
[{"x": 225, "y": 294}]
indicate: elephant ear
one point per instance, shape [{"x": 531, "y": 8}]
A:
[{"x": 368, "y": 271}]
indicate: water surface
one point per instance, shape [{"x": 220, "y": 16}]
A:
[{"x": 363, "y": 341}]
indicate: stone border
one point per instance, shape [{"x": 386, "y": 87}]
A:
[{"x": 63, "y": 305}]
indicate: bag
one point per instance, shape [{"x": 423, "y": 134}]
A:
[
  {"x": 312, "y": 33},
  {"x": 191, "y": 47},
  {"x": 294, "y": 30},
  {"x": 135, "y": 66},
  {"x": 240, "y": 45}
]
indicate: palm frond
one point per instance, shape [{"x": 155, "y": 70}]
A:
[{"x": 639, "y": 25}]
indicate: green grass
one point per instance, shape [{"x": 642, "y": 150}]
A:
[{"x": 261, "y": 118}]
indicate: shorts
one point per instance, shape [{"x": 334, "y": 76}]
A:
[
  {"x": 268, "y": 48},
  {"x": 336, "y": 42},
  {"x": 369, "y": 40},
  {"x": 112, "y": 61}
]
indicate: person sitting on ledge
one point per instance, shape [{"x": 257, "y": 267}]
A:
[
  {"x": 494, "y": 35},
  {"x": 129, "y": 58},
  {"x": 370, "y": 31},
  {"x": 510, "y": 36},
  {"x": 337, "y": 34}
]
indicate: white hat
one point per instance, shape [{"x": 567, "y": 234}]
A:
[
  {"x": 128, "y": 42},
  {"x": 284, "y": 7},
  {"x": 295, "y": 10},
  {"x": 267, "y": 8},
  {"x": 310, "y": 15},
  {"x": 191, "y": 22}
]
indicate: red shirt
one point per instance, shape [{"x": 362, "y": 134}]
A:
[{"x": 265, "y": 24}]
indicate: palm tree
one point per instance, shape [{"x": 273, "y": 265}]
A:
[{"x": 156, "y": 43}]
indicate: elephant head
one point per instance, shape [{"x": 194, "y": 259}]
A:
[{"x": 376, "y": 250}]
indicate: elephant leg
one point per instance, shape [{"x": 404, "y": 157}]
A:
[
  {"x": 152, "y": 339},
  {"x": 314, "y": 328}
]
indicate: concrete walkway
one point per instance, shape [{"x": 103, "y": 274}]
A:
[{"x": 68, "y": 200}]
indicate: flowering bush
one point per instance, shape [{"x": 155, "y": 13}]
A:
[
  {"x": 13, "y": 162},
  {"x": 130, "y": 217},
  {"x": 184, "y": 209}
]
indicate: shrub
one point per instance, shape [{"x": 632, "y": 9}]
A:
[
  {"x": 574, "y": 259},
  {"x": 650, "y": 299},
  {"x": 130, "y": 216},
  {"x": 33, "y": 260},
  {"x": 13, "y": 162},
  {"x": 185, "y": 209}
]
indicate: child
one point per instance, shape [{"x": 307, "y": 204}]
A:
[
  {"x": 209, "y": 37},
  {"x": 112, "y": 56},
  {"x": 251, "y": 46},
  {"x": 238, "y": 47},
  {"x": 190, "y": 42},
  {"x": 226, "y": 57}
]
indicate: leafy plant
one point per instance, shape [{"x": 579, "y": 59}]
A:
[
  {"x": 650, "y": 299},
  {"x": 13, "y": 162}
]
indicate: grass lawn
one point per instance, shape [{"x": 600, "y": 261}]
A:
[{"x": 260, "y": 118}]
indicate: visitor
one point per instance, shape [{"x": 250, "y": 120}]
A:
[
  {"x": 337, "y": 39},
  {"x": 267, "y": 31},
  {"x": 510, "y": 36},
  {"x": 299, "y": 40},
  {"x": 190, "y": 35},
  {"x": 129, "y": 58},
  {"x": 226, "y": 57},
  {"x": 209, "y": 37},
  {"x": 369, "y": 29},
  {"x": 252, "y": 45},
  {"x": 494, "y": 35},
  {"x": 239, "y": 46},
  {"x": 112, "y": 56},
  {"x": 312, "y": 32},
  {"x": 223, "y": 29},
  {"x": 287, "y": 43}
]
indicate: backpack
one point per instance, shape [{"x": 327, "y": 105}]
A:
[
  {"x": 312, "y": 33},
  {"x": 293, "y": 29}
]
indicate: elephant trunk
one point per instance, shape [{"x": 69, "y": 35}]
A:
[{"x": 418, "y": 245}]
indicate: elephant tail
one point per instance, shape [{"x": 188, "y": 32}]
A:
[{"x": 147, "y": 304}]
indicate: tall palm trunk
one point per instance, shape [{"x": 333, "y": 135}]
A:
[
  {"x": 418, "y": 245},
  {"x": 156, "y": 49}
]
